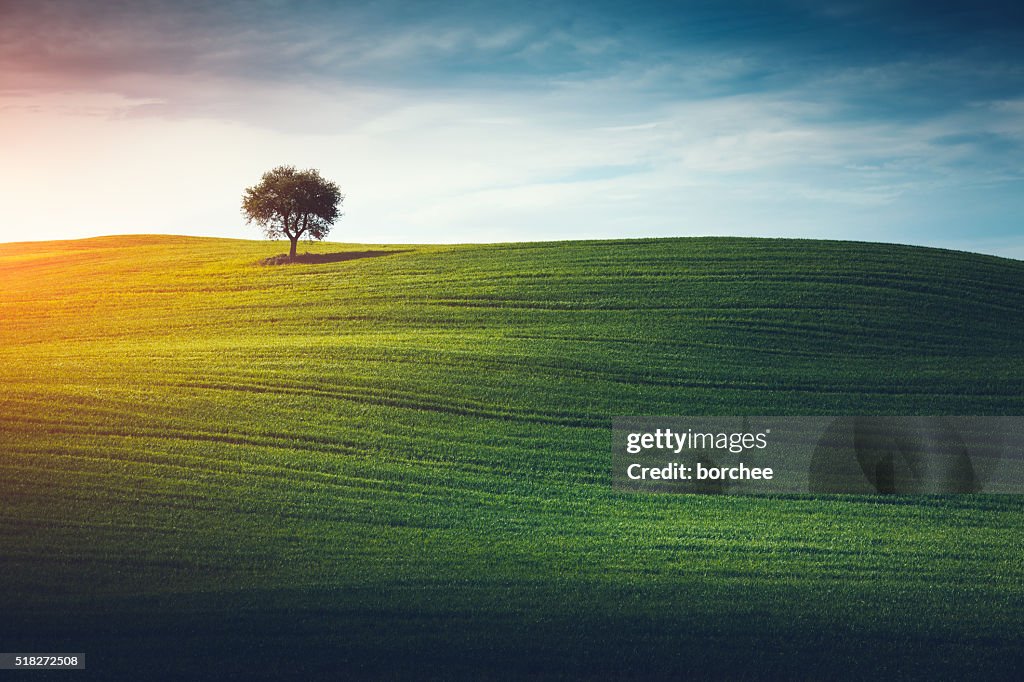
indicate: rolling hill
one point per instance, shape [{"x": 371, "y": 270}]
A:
[{"x": 399, "y": 464}]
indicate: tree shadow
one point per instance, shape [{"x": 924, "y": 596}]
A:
[{"x": 285, "y": 259}]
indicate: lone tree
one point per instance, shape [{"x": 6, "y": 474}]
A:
[{"x": 292, "y": 203}]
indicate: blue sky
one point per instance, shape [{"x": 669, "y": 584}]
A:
[{"x": 455, "y": 122}]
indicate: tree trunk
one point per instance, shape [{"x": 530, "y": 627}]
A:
[{"x": 295, "y": 243}]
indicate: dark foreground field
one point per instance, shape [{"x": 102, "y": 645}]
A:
[{"x": 400, "y": 464}]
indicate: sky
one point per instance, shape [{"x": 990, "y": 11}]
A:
[{"x": 515, "y": 121}]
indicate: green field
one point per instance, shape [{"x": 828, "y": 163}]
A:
[{"x": 400, "y": 465}]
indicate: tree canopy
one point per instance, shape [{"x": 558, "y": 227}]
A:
[{"x": 293, "y": 203}]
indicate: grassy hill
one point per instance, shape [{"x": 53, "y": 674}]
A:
[{"x": 400, "y": 464}]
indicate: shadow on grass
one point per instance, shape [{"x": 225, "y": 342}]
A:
[
  {"x": 285, "y": 259},
  {"x": 543, "y": 632}
]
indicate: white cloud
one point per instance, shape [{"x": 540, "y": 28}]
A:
[
  {"x": 453, "y": 167},
  {"x": 171, "y": 150}
]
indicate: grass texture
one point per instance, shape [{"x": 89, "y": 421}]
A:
[{"x": 398, "y": 464}]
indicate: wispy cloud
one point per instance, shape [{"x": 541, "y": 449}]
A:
[{"x": 467, "y": 121}]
